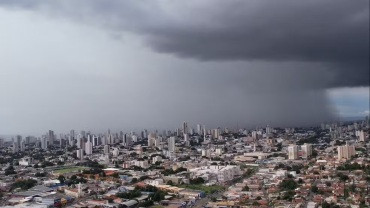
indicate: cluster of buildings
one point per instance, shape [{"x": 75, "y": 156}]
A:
[
  {"x": 261, "y": 167},
  {"x": 294, "y": 152}
]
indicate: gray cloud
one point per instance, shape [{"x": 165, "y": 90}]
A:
[
  {"x": 335, "y": 34},
  {"x": 216, "y": 62}
]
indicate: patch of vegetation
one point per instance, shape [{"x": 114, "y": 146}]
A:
[
  {"x": 206, "y": 189},
  {"x": 24, "y": 184},
  {"x": 327, "y": 205},
  {"x": 198, "y": 180},
  {"x": 288, "y": 195},
  {"x": 130, "y": 194},
  {"x": 41, "y": 174},
  {"x": 288, "y": 184},
  {"x": 69, "y": 169},
  {"x": 352, "y": 167},
  {"x": 46, "y": 164},
  {"x": 10, "y": 170},
  {"x": 171, "y": 172},
  {"x": 76, "y": 180}
]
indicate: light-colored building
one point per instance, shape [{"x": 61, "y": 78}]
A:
[
  {"x": 115, "y": 152},
  {"x": 306, "y": 150},
  {"x": 88, "y": 148},
  {"x": 206, "y": 153},
  {"x": 219, "y": 151},
  {"x": 293, "y": 152},
  {"x": 26, "y": 161},
  {"x": 106, "y": 149},
  {"x": 171, "y": 144},
  {"x": 157, "y": 159},
  {"x": 361, "y": 136},
  {"x": 221, "y": 173},
  {"x": 79, "y": 153},
  {"x": 346, "y": 151},
  {"x": 44, "y": 143},
  {"x": 151, "y": 139},
  {"x": 143, "y": 164}
]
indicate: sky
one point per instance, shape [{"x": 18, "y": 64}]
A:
[{"x": 95, "y": 64}]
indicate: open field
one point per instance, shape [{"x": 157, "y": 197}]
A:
[{"x": 69, "y": 169}]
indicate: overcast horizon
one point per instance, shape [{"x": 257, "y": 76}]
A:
[{"x": 129, "y": 65}]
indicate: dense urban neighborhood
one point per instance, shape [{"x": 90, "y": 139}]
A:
[{"x": 324, "y": 166}]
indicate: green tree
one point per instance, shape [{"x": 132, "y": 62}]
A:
[
  {"x": 314, "y": 189},
  {"x": 62, "y": 179},
  {"x": 24, "y": 184},
  {"x": 10, "y": 170},
  {"x": 288, "y": 184},
  {"x": 198, "y": 180},
  {"x": 246, "y": 188}
]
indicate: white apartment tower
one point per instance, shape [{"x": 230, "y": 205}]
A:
[
  {"x": 361, "y": 136},
  {"x": 79, "y": 153},
  {"x": 293, "y": 152},
  {"x": 306, "y": 150},
  {"x": 346, "y": 151},
  {"x": 88, "y": 147},
  {"x": 199, "y": 129}
]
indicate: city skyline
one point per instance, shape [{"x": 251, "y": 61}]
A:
[{"x": 184, "y": 104}]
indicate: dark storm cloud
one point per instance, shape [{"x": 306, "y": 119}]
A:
[
  {"x": 333, "y": 33},
  {"x": 228, "y": 62}
]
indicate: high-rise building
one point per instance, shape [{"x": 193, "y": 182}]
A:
[
  {"x": 61, "y": 141},
  {"x": 109, "y": 139},
  {"x": 362, "y": 136},
  {"x": 158, "y": 142},
  {"x": 88, "y": 147},
  {"x": 216, "y": 133},
  {"x": 17, "y": 144},
  {"x": 80, "y": 153},
  {"x": 254, "y": 135},
  {"x": 151, "y": 139},
  {"x": 51, "y": 137},
  {"x": 269, "y": 130},
  {"x": 106, "y": 149},
  {"x": 127, "y": 140},
  {"x": 306, "y": 150},
  {"x": 27, "y": 140},
  {"x": 44, "y": 143},
  {"x": 134, "y": 138},
  {"x": 293, "y": 152},
  {"x": 206, "y": 153},
  {"x": 185, "y": 127},
  {"x": 95, "y": 140},
  {"x": 171, "y": 144},
  {"x": 346, "y": 151},
  {"x": 23, "y": 146},
  {"x": 199, "y": 129},
  {"x": 15, "y": 147}
]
